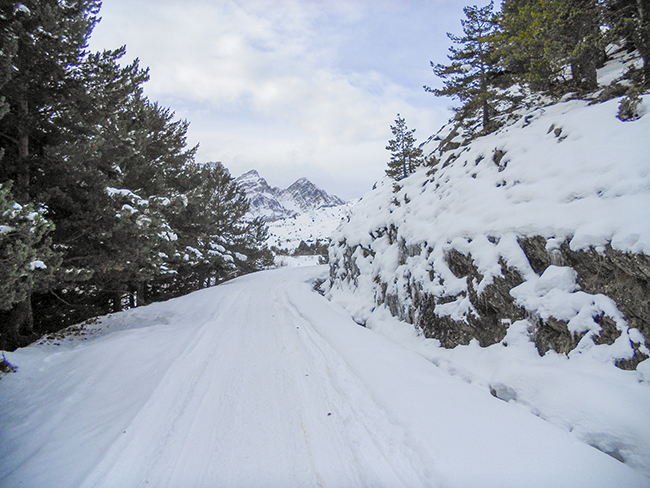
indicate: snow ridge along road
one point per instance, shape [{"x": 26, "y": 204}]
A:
[{"x": 261, "y": 382}]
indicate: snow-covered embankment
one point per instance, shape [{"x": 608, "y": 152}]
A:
[{"x": 530, "y": 241}]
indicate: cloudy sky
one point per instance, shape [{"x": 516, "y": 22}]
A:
[{"x": 291, "y": 88}]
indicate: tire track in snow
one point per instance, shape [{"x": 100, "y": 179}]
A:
[
  {"x": 257, "y": 366},
  {"x": 366, "y": 424},
  {"x": 153, "y": 430}
]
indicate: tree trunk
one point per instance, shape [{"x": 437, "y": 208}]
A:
[
  {"x": 642, "y": 40},
  {"x": 141, "y": 293},
  {"x": 116, "y": 298},
  {"x": 486, "y": 117},
  {"x": 583, "y": 69},
  {"x": 21, "y": 187},
  {"x": 17, "y": 326}
]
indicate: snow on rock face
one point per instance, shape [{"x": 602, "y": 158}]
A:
[
  {"x": 273, "y": 203},
  {"x": 533, "y": 238},
  {"x": 263, "y": 198},
  {"x": 559, "y": 199},
  {"x": 445, "y": 250},
  {"x": 300, "y": 213}
]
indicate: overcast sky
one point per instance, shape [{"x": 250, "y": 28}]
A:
[{"x": 291, "y": 88}]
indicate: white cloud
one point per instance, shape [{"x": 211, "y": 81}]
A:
[{"x": 291, "y": 88}]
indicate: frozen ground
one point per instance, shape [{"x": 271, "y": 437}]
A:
[{"x": 261, "y": 382}]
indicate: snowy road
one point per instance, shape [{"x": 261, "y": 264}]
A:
[{"x": 261, "y": 382}]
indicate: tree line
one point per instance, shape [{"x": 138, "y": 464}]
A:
[
  {"x": 102, "y": 204},
  {"x": 545, "y": 46}
]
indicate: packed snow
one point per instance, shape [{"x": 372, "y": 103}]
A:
[{"x": 263, "y": 382}]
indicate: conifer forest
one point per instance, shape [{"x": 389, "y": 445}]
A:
[{"x": 102, "y": 204}]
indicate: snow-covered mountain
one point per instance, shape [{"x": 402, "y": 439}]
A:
[
  {"x": 309, "y": 227},
  {"x": 273, "y": 203}
]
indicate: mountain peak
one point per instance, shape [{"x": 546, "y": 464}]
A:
[
  {"x": 273, "y": 203},
  {"x": 302, "y": 181}
]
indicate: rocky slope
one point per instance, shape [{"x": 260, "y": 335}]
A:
[
  {"x": 543, "y": 224},
  {"x": 273, "y": 203},
  {"x": 311, "y": 227}
]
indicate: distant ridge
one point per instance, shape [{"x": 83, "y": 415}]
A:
[{"x": 273, "y": 203}]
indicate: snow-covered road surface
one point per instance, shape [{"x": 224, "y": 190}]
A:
[{"x": 262, "y": 382}]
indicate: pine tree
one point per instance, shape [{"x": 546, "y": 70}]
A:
[
  {"x": 630, "y": 20},
  {"x": 27, "y": 262},
  {"x": 539, "y": 38},
  {"x": 405, "y": 157},
  {"x": 473, "y": 67},
  {"x": 215, "y": 241},
  {"x": 116, "y": 188},
  {"x": 158, "y": 166},
  {"x": 42, "y": 44},
  {"x": 111, "y": 196},
  {"x": 100, "y": 250}
]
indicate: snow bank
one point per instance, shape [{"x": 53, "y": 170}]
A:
[
  {"x": 571, "y": 173},
  {"x": 599, "y": 404}
]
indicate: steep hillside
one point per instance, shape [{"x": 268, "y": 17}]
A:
[
  {"x": 536, "y": 236},
  {"x": 544, "y": 220},
  {"x": 273, "y": 203}
]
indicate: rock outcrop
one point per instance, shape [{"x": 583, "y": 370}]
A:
[
  {"x": 622, "y": 277},
  {"x": 543, "y": 222}
]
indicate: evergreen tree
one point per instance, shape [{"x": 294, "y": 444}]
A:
[
  {"x": 42, "y": 44},
  {"x": 539, "y": 38},
  {"x": 116, "y": 188},
  {"x": 101, "y": 244},
  {"x": 630, "y": 20},
  {"x": 27, "y": 262},
  {"x": 157, "y": 155},
  {"x": 405, "y": 157},
  {"x": 473, "y": 67},
  {"x": 215, "y": 242}
]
